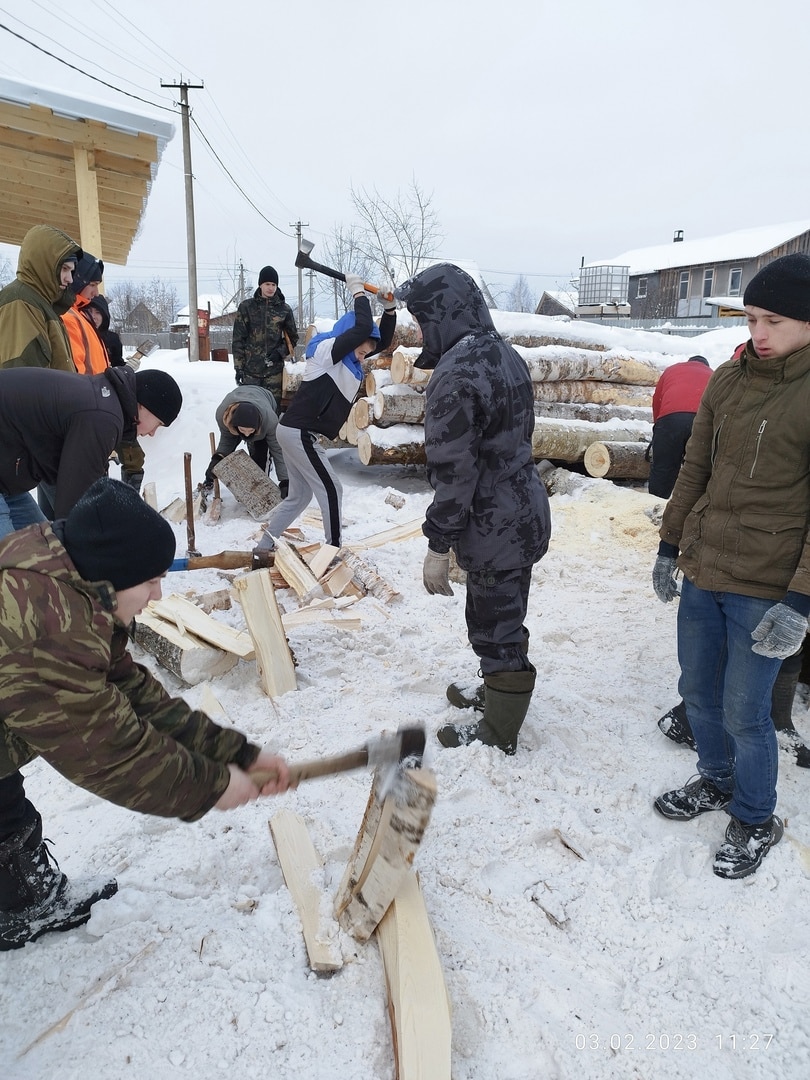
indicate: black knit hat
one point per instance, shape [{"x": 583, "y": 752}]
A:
[
  {"x": 268, "y": 273},
  {"x": 159, "y": 393},
  {"x": 701, "y": 360},
  {"x": 89, "y": 269},
  {"x": 783, "y": 287},
  {"x": 112, "y": 535},
  {"x": 246, "y": 415}
]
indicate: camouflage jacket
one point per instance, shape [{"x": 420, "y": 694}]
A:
[
  {"x": 259, "y": 346},
  {"x": 71, "y": 693},
  {"x": 31, "y": 332},
  {"x": 489, "y": 503}
]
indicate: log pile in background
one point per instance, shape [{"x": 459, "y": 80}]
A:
[{"x": 584, "y": 394}]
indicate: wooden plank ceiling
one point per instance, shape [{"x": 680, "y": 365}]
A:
[{"x": 82, "y": 175}]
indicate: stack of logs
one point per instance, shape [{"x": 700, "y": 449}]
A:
[{"x": 592, "y": 407}]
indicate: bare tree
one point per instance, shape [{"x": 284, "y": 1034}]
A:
[
  {"x": 345, "y": 252},
  {"x": 398, "y": 235},
  {"x": 6, "y": 272},
  {"x": 520, "y": 297},
  {"x": 159, "y": 296}
]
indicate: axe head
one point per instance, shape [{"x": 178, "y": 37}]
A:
[
  {"x": 405, "y": 747},
  {"x": 302, "y": 259}
]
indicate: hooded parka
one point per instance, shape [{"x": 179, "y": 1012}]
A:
[
  {"x": 71, "y": 693},
  {"x": 489, "y": 504},
  {"x": 31, "y": 332}
]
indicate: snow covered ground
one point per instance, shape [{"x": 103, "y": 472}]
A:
[{"x": 582, "y": 936}]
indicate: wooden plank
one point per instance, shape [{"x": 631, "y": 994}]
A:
[
  {"x": 396, "y": 817},
  {"x": 302, "y": 866},
  {"x": 185, "y": 656},
  {"x": 418, "y": 1002},
  {"x": 194, "y": 620},
  {"x": 273, "y": 658},
  {"x": 390, "y": 536}
]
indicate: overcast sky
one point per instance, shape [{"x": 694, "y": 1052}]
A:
[{"x": 544, "y": 132}]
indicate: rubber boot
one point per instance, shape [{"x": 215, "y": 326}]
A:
[
  {"x": 466, "y": 697},
  {"x": 507, "y": 695},
  {"x": 35, "y": 896},
  {"x": 784, "y": 690}
]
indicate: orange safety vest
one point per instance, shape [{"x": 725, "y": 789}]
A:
[{"x": 89, "y": 353}]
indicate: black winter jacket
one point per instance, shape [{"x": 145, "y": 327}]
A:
[{"x": 61, "y": 427}]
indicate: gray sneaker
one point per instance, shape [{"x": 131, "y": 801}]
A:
[
  {"x": 694, "y": 798},
  {"x": 746, "y": 846}
]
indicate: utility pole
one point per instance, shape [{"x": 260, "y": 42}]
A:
[
  {"x": 298, "y": 226},
  {"x": 311, "y": 276},
  {"x": 241, "y": 281},
  {"x": 191, "y": 244}
]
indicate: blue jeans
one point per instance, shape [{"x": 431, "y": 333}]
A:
[
  {"x": 17, "y": 511},
  {"x": 727, "y": 691}
]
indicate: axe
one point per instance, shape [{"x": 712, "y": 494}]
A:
[
  {"x": 225, "y": 560},
  {"x": 407, "y": 745},
  {"x": 304, "y": 262}
]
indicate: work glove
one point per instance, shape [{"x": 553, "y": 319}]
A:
[
  {"x": 436, "y": 573},
  {"x": 134, "y": 362},
  {"x": 663, "y": 579},
  {"x": 385, "y": 295},
  {"x": 209, "y": 472},
  {"x": 780, "y": 632},
  {"x": 354, "y": 283}
]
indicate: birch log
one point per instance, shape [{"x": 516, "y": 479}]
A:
[
  {"x": 400, "y": 445},
  {"x": 398, "y": 405},
  {"x": 377, "y": 379},
  {"x": 555, "y": 363},
  {"x": 403, "y": 370},
  {"x": 180, "y": 653},
  {"x": 591, "y": 390},
  {"x": 248, "y": 484},
  {"x": 617, "y": 460},
  {"x": 597, "y": 414},
  {"x": 567, "y": 440}
]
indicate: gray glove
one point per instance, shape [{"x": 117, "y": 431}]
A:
[
  {"x": 780, "y": 632},
  {"x": 663, "y": 579},
  {"x": 354, "y": 283},
  {"x": 435, "y": 573},
  {"x": 385, "y": 295}
]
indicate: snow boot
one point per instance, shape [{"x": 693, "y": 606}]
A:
[
  {"x": 466, "y": 697},
  {"x": 675, "y": 725},
  {"x": 746, "y": 846},
  {"x": 35, "y": 896},
  {"x": 694, "y": 798},
  {"x": 507, "y": 695}
]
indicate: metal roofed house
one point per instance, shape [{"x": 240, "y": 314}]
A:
[
  {"x": 686, "y": 278},
  {"x": 76, "y": 164}
]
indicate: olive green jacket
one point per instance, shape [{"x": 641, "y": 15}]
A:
[
  {"x": 740, "y": 510},
  {"x": 31, "y": 332},
  {"x": 71, "y": 693}
]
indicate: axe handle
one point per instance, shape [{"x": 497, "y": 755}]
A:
[
  {"x": 338, "y": 274},
  {"x": 306, "y": 770},
  {"x": 225, "y": 560}
]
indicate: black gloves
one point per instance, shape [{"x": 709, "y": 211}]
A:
[{"x": 209, "y": 472}]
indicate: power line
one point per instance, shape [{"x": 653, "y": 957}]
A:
[
  {"x": 87, "y": 74},
  {"x": 233, "y": 180}
]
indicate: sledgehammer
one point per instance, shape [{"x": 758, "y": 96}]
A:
[
  {"x": 406, "y": 747},
  {"x": 303, "y": 261}
]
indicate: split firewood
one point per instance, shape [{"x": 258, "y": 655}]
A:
[
  {"x": 418, "y": 1000},
  {"x": 390, "y": 536},
  {"x": 273, "y": 657},
  {"x": 248, "y": 484},
  {"x": 187, "y": 616},
  {"x": 302, "y": 868},
  {"x": 175, "y": 511},
  {"x": 397, "y": 501},
  {"x": 339, "y": 580},
  {"x": 150, "y": 495},
  {"x": 291, "y": 566},
  {"x": 184, "y": 655},
  {"x": 392, "y": 829},
  {"x": 367, "y": 577},
  {"x": 218, "y": 600},
  {"x": 617, "y": 460},
  {"x": 321, "y": 560}
]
